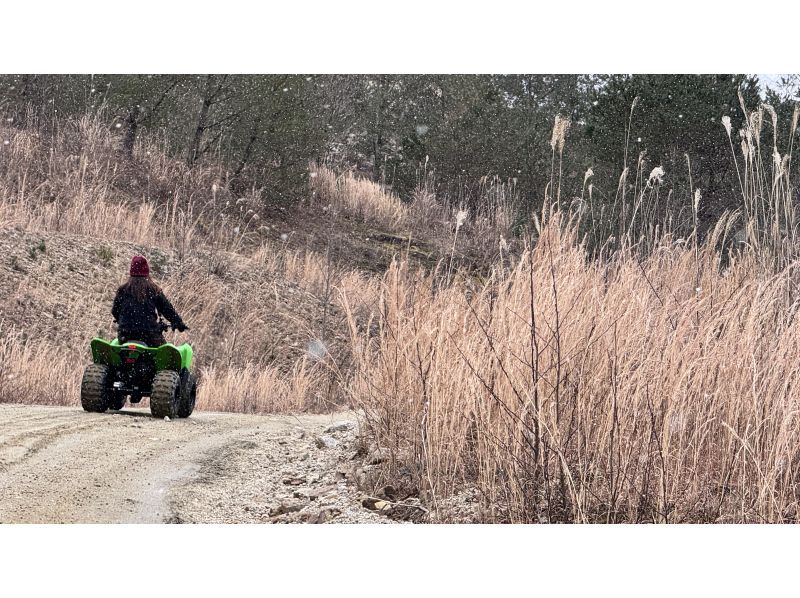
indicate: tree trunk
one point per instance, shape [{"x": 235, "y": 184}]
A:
[
  {"x": 377, "y": 142},
  {"x": 249, "y": 149},
  {"x": 131, "y": 129},
  {"x": 202, "y": 119}
]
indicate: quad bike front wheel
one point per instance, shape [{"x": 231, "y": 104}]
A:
[
  {"x": 188, "y": 393},
  {"x": 96, "y": 388},
  {"x": 166, "y": 394}
]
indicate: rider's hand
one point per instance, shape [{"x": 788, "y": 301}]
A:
[{"x": 180, "y": 327}]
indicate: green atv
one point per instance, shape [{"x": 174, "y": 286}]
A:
[{"x": 133, "y": 369}]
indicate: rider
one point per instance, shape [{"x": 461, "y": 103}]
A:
[{"x": 138, "y": 304}]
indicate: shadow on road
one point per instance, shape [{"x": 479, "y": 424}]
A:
[{"x": 132, "y": 413}]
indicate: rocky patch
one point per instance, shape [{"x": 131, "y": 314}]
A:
[{"x": 300, "y": 474}]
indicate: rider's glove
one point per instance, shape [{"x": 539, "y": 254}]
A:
[{"x": 180, "y": 326}]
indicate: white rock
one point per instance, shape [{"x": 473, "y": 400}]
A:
[{"x": 325, "y": 442}]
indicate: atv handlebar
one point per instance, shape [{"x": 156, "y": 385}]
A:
[{"x": 163, "y": 326}]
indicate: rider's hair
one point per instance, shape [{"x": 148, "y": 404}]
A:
[{"x": 141, "y": 287}]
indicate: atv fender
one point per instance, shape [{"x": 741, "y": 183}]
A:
[{"x": 165, "y": 357}]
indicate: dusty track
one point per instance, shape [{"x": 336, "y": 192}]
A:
[{"x": 62, "y": 465}]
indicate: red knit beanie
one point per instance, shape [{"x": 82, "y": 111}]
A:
[{"x": 139, "y": 266}]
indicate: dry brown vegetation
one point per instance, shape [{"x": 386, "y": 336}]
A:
[
  {"x": 572, "y": 390},
  {"x": 606, "y": 366}
]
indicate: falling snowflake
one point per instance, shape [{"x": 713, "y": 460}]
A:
[
  {"x": 317, "y": 349},
  {"x": 422, "y": 129}
]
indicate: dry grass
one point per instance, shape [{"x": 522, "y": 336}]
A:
[
  {"x": 254, "y": 389},
  {"x": 568, "y": 389},
  {"x": 36, "y": 371},
  {"x": 769, "y": 213},
  {"x": 359, "y": 197}
]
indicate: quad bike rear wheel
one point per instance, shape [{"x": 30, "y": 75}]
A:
[
  {"x": 166, "y": 394},
  {"x": 188, "y": 393},
  {"x": 96, "y": 388}
]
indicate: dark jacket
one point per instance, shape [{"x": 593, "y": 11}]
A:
[{"x": 133, "y": 316}]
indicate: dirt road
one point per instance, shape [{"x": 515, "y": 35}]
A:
[{"x": 62, "y": 465}]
